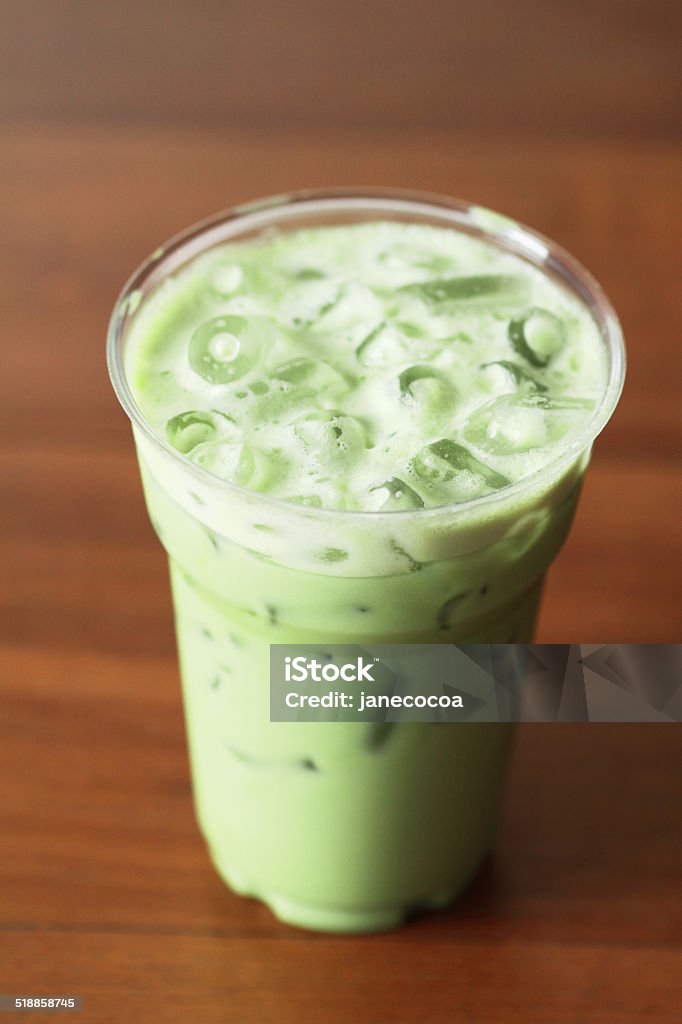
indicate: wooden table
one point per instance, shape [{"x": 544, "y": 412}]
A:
[{"x": 105, "y": 887}]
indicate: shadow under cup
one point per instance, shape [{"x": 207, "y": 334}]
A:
[{"x": 331, "y": 828}]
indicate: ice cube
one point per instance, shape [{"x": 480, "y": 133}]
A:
[
  {"x": 295, "y": 371},
  {"x": 425, "y": 385},
  {"x": 225, "y": 348},
  {"x": 313, "y": 374},
  {"x": 493, "y": 289},
  {"x": 276, "y": 401},
  {"x": 387, "y": 345},
  {"x": 395, "y": 494},
  {"x": 304, "y": 304},
  {"x": 520, "y": 423},
  {"x": 444, "y": 461},
  {"x": 257, "y": 469},
  {"x": 505, "y": 377},
  {"x": 381, "y": 347},
  {"x": 514, "y": 427},
  {"x": 400, "y": 257},
  {"x": 356, "y": 305},
  {"x": 218, "y": 457},
  {"x": 331, "y": 434},
  {"x": 537, "y": 336},
  {"x": 191, "y": 428}
]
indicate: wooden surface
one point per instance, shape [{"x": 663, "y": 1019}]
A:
[
  {"x": 105, "y": 887},
  {"x": 585, "y": 66},
  {"x": 110, "y": 144}
]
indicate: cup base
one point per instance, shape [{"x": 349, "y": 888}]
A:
[{"x": 346, "y": 921}]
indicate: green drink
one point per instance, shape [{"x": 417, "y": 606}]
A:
[{"x": 359, "y": 418}]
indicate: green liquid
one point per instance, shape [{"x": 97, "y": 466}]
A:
[{"x": 377, "y": 398}]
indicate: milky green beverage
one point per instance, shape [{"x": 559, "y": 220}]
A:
[{"x": 360, "y": 417}]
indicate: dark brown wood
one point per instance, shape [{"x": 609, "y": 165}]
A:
[
  {"x": 540, "y": 66},
  {"x": 105, "y": 888}
]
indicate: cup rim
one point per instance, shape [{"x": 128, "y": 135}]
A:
[{"x": 496, "y": 229}]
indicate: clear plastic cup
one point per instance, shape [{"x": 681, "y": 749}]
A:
[{"x": 332, "y": 826}]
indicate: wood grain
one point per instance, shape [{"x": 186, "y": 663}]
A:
[
  {"x": 109, "y": 892},
  {"x": 537, "y": 66},
  {"x": 105, "y": 888}
]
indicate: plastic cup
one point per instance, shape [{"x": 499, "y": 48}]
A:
[{"x": 331, "y": 829}]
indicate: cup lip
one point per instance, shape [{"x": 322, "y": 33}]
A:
[{"x": 494, "y": 228}]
